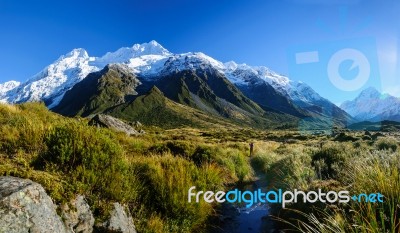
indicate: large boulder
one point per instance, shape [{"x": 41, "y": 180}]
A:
[
  {"x": 25, "y": 207},
  {"x": 102, "y": 120},
  {"x": 77, "y": 216},
  {"x": 119, "y": 221}
]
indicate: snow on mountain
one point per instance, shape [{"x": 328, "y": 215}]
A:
[
  {"x": 242, "y": 74},
  {"x": 6, "y": 87},
  {"x": 151, "y": 51},
  {"x": 371, "y": 105},
  {"x": 149, "y": 60},
  {"x": 52, "y": 82},
  {"x": 190, "y": 61}
]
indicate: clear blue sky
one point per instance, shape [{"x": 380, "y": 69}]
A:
[{"x": 35, "y": 33}]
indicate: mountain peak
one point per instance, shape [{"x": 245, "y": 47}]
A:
[
  {"x": 371, "y": 105},
  {"x": 370, "y": 90},
  {"x": 369, "y": 93},
  {"x": 125, "y": 54},
  {"x": 150, "y": 48},
  {"x": 230, "y": 65},
  {"x": 77, "y": 53}
]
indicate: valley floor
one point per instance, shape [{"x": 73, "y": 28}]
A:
[{"x": 151, "y": 173}]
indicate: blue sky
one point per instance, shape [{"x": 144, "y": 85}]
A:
[{"x": 268, "y": 33}]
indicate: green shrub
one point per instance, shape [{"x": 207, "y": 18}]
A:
[
  {"x": 92, "y": 160},
  {"x": 177, "y": 148},
  {"x": 202, "y": 155},
  {"x": 159, "y": 148},
  {"x": 342, "y": 137},
  {"x": 386, "y": 144},
  {"x": 75, "y": 144},
  {"x": 329, "y": 160}
]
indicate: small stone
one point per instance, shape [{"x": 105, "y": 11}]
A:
[
  {"x": 77, "y": 216},
  {"x": 119, "y": 221}
]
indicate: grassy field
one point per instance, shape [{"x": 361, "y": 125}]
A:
[{"x": 152, "y": 173}]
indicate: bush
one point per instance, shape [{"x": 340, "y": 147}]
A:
[
  {"x": 329, "y": 160},
  {"x": 75, "y": 144},
  {"x": 202, "y": 155},
  {"x": 386, "y": 144},
  {"x": 92, "y": 159},
  {"x": 342, "y": 137},
  {"x": 177, "y": 148}
]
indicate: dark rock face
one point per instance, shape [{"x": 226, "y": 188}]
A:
[
  {"x": 268, "y": 98},
  {"x": 77, "y": 216},
  {"x": 25, "y": 207},
  {"x": 207, "y": 90},
  {"x": 102, "y": 120}
]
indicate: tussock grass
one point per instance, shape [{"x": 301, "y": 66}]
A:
[
  {"x": 362, "y": 168},
  {"x": 151, "y": 174}
]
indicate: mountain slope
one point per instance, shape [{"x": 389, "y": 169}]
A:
[
  {"x": 207, "y": 90},
  {"x": 99, "y": 91},
  {"x": 198, "y": 80},
  {"x": 371, "y": 105},
  {"x": 52, "y": 82},
  {"x": 6, "y": 87},
  {"x": 275, "y": 91},
  {"x": 153, "y": 108},
  {"x": 112, "y": 91},
  {"x": 116, "y": 91}
]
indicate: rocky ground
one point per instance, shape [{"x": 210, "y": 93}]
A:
[{"x": 25, "y": 207}]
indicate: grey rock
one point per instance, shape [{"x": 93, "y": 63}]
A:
[
  {"x": 102, "y": 120},
  {"x": 120, "y": 221},
  {"x": 77, "y": 216},
  {"x": 25, "y": 207}
]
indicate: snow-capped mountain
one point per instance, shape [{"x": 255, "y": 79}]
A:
[
  {"x": 6, "y": 87},
  {"x": 268, "y": 88},
  {"x": 371, "y": 105},
  {"x": 151, "y": 61},
  {"x": 244, "y": 75},
  {"x": 52, "y": 82}
]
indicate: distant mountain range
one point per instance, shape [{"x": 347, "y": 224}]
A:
[
  {"x": 371, "y": 105},
  {"x": 77, "y": 84}
]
